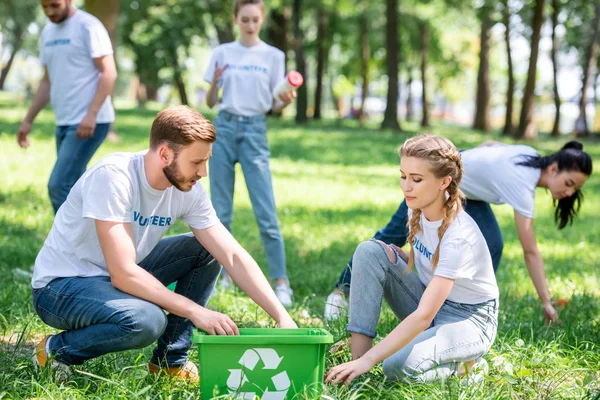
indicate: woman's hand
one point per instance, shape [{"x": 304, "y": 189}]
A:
[
  {"x": 348, "y": 371},
  {"x": 287, "y": 97},
  {"x": 400, "y": 252},
  {"x": 218, "y": 73},
  {"x": 550, "y": 313}
]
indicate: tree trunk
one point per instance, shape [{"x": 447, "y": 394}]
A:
[
  {"x": 424, "y": 53},
  {"x": 390, "y": 118},
  {"x": 581, "y": 127},
  {"x": 15, "y": 48},
  {"x": 302, "y": 99},
  {"x": 107, "y": 11},
  {"x": 322, "y": 50},
  {"x": 277, "y": 31},
  {"x": 364, "y": 59},
  {"x": 179, "y": 83},
  {"x": 510, "y": 91},
  {"x": 527, "y": 128},
  {"x": 482, "y": 98},
  {"x": 409, "y": 100},
  {"x": 553, "y": 52}
]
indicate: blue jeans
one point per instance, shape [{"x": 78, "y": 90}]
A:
[
  {"x": 97, "y": 318},
  {"x": 396, "y": 232},
  {"x": 459, "y": 332},
  {"x": 244, "y": 140},
  {"x": 73, "y": 155}
]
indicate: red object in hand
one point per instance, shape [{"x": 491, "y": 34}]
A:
[
  {"x": 292, "y": 81},
  {"x": 561, "y": 302}
]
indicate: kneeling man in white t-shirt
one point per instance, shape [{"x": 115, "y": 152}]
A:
[{"x": 102, "y": 273}]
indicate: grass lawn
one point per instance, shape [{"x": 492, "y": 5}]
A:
[{"x": 335, "y": 184}]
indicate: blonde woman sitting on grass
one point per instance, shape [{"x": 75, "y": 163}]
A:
[{"x": 448, "y": 308}]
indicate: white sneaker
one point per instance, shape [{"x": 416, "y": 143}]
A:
[
  {"x": 284, "y": 294},
  {"x": 226, "y": 283},
  {"x": 335, "y": 305}
]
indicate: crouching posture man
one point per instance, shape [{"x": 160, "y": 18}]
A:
[{"x": 101, "y": 275}]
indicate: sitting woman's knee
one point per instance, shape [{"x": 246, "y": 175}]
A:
[
  {"x": 394, "y": 371},
  {"x": 369, "y": 249}
]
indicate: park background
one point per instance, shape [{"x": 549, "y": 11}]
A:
[{"x": 376, "y": 73}]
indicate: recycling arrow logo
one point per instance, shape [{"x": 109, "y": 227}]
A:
[{"x": 249, "y": 361}]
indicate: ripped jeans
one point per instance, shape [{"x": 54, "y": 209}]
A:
[{"x": 459, "y": 332}]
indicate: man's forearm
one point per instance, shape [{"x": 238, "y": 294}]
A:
[
  {"x": 105, "y": 87},
  {"x": 535, "y": 266},
  {"x": 249, "y": 277},
  {"x": 140, "y": 283},
  {"x": 41, "y": 98}
]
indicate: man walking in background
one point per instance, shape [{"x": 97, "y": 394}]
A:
[{"x": 79, "y": 75}]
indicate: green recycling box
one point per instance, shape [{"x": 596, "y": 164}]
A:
[{"x": 273, "y": 364}]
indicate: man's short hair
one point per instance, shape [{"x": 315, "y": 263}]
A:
[{"x": 179, "y": 126}]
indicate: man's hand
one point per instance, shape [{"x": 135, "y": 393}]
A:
[
  {"x": 287, "y": 322},
  {"x": 23, "y": 134},
  {"x": 86, "y": 128},
  {"x": 550, "y": 313},
  {"x": 348, "y": 371},
  {"x": 214, "y": 323}
]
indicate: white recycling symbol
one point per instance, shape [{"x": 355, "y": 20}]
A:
[{"x": 249, "y": 360}]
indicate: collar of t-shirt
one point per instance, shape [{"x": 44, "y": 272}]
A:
[{"x": 144, "y": 179}]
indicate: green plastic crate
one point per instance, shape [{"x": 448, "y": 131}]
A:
[{"x": 273, "y": 364}]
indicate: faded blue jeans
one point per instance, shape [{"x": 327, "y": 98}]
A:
[
  {"x": 97, "y": 318},
  {"x": 396, "y": 232},
  {"x": 459, "y": 332},
  {"x": 72, "y": 157},
  {"x": 244, "y": 140}
]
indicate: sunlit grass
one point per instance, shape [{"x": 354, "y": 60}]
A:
[{"x": 335, "y": 184}]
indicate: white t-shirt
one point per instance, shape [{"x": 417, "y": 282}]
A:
[
  {"x": 491, "y": 175},
  {"x": 115, "y": 189},
  {"x": 68, "y": 50},
  {"x": 464, "y": 257},
  {"x": 249, "y": 80}
]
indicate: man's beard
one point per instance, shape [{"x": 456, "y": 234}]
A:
[
  {"x": 174, "y": 177},
  {"x": 64, "y": 16}
]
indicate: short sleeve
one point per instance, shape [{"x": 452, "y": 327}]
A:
[
  {"x": 98, "y": 40},
  {"x": 200, "y": 213},
  {"x": 43, "y": 59},
  {"x": 522, "y": 200},
  {"x": 456, "y": 260},
  {"x": 278, "y": 71},
  {"x": 107, "y": 195},
  {"x": 210, "y": 71}
]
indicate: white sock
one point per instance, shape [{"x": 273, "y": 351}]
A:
[{"x": 47, "y": 346}]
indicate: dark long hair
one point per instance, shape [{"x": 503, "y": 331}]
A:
[{"x": 570, "y": 158}]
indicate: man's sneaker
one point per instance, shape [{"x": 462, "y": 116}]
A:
[
  {"x": 187, "y": 372},
  {"x": 335, "y": 305},
  {"x": 41, "y": 360},
  {"x": 284, "y": 294}
]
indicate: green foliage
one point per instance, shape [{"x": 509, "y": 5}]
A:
[{"x": 335, "y": 183}]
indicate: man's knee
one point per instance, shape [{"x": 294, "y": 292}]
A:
[{"x": 146, "y": 323}]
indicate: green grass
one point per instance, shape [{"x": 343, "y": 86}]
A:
[{"x": 335, "y": 184}]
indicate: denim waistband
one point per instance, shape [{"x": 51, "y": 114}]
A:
[{"x": 241, "y": 118}]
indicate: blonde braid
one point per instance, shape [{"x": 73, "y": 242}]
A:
[{"x": 414, "y": 228}]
